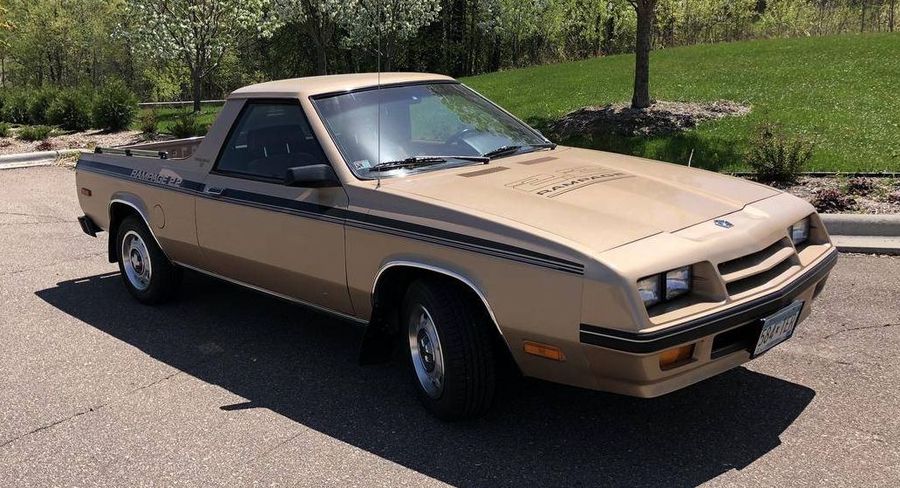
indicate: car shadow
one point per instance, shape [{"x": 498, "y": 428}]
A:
[{"x": 303, "y": 365}]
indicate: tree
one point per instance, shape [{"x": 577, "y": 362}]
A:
[
  {"x": 5, "y": 27},
  {"x": 319, "y": 20},
  {"x": 645, "y": 10},
  {"x": 519, "y": 21},
  {"x": 389, "y": 22},
  {"x": 60, "y": 43},
  {"x": 891, "y": 16},
  {"x": 197, "y": 33}
]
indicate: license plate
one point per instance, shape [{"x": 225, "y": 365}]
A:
[{"x": 777, "y": 328}]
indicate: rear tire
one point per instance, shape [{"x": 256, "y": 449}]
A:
[
  {"x": 450, "y": 349},
  {"x": 148, "y": 274}
]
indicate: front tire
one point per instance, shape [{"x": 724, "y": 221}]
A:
[
  {"x": 148, "y": 275},
  {"x": 450, "y": 350}
]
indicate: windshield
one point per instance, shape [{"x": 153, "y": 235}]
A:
[{"x": 423, "y": 127}]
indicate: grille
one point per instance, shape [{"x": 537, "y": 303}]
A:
[{"x": 755, "y": 270}]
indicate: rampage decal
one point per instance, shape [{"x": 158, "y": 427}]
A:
[
  {"x": 164, "y": 177},
  {"x": 563, "y": 181}
]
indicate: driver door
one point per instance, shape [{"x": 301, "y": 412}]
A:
[{"x": 254, "y": 229}]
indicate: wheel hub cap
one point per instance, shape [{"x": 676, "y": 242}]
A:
[
  {"x": 425, "y": 350},
  {"x": 136, "y": 261}
]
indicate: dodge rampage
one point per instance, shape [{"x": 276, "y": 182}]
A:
[{"x": 412, "y": 205}]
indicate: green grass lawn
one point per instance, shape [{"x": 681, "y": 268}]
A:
[
  {"x": 168, "y": 116},
  {"x": 844, "y": 92}
]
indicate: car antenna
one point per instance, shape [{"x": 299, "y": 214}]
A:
[{"x": 378, "y": 95}]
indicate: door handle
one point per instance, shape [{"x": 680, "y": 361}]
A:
[{"x": 213, "y": 190}]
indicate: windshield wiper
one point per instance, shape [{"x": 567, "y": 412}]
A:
[
  {"x": 509, "y": 150},
  {"x": 416, "y": 161}
]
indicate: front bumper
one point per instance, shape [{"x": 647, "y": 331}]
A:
[{"x": 628, "y": 362}]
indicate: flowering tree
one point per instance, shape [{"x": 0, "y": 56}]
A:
[
  {"x": 389, "y": 21},
  {"x": 319, "y": 19},
  {"x": 196, "y": 33}
]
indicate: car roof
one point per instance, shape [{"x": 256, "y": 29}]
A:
[{"x": 317, "y": 85}]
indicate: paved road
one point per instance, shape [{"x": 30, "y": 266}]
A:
[{"x": 227, "y": 387}]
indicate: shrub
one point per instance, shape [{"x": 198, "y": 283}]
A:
[
  {"x": 15, "y": 107},
  {"x": 34, "y": 132},
  {"x": 187, "y": 125},
  {"x": 149, "y": 123},
  {"x": 114, "y": 107},
  {"x": 71, "y": 110},
  {"x": 859, "y": 186},
  {"x": 38, "y": 103},
  {"x": 4, "y": 129},
  {"x": 832, "y": 200},
  {"x": 777, "y": 157}
]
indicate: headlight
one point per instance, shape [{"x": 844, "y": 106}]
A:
[
  {"x": 648, "y": 288},
  {"x": 678, "y": 282},
  {"x": 665, "y": 286},
  {"x": 800, "y": 232}
]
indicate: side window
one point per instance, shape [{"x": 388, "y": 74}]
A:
[{"x": 268, "y": 139}]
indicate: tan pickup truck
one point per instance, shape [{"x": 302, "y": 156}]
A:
[{"x": 411, "y": 204}]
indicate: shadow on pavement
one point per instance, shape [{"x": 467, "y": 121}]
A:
[{"x": 302, "y": 365}]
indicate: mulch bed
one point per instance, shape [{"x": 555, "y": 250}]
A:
[
  {"x": 72, "y": 140},
  {"x": 661, "y": 118},
  {"x": 848, "y": 195}
]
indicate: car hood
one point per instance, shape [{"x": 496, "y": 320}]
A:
[{"x": 600, "y": 200}]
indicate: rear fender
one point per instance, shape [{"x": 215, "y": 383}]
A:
[{"x": 121, "y": 205}]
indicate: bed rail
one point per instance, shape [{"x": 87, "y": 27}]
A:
[{"x": 138, "y": 153}]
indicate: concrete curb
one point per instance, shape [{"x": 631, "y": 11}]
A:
[
  {"x": 41, "y": 158},
  {"x": 862, "y": 225},
  {"x": 869, "y": 234}
]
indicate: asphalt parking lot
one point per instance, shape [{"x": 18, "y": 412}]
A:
[{"x": 227, "y": 387}]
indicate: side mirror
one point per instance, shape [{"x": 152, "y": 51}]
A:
[{"x": 312, "y": 176}]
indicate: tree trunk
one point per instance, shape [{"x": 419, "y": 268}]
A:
[
  {"x": 320, "y": 35},
  {"x": 891, "y": 17},
  {"x": 387, "y": 49},
  {"x": 196, "y": 84},
  {"x": 321, "y": 59},
  {"x": 862, "y": 17},
  {"x": 645, "y": 10},
  {"x": 609, "y": 32}
]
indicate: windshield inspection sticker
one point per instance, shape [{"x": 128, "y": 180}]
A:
[{"x": 554, "y": 184}]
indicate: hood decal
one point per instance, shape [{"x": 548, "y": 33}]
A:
[
  {"x": 538, "y": 160},
  {"x": 482, "y": 172},
  {"x": 551, "y": 185}
]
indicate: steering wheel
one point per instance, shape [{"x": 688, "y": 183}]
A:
[{"x": 459, "y": 136}]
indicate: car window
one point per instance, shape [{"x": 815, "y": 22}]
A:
[
  {"x": 431, "y": 121},
  {"x": 420, "y": 120},
  {"x": 268, "y": 139}
]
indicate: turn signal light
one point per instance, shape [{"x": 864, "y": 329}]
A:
[
  {"x": 674, "y": 357},
  {"x": 544, "y": 351}
]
